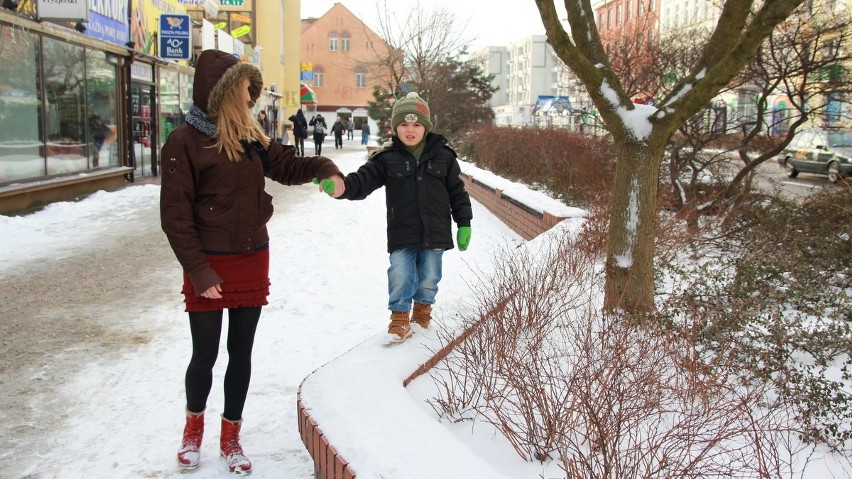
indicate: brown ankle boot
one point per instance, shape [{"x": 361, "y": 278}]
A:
[
  {"x": 189, "y": 453},
  {"x": 231, "y": 450},
  {"x": 422, "y": 314},
  {"x": 399, "y": 327}
]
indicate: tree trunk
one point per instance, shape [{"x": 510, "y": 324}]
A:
[{"x": 630, "y": 248}]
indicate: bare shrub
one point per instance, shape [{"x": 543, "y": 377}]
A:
[
  {"x": 773, "y": 291},
  {"x": 574, "y": 168},
  {"x": 606, "y": 396}
]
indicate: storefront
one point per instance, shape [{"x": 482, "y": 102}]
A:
[{"x": 60, "y": 114}]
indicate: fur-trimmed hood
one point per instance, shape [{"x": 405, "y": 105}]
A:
[{"x": 216, "y": 72}]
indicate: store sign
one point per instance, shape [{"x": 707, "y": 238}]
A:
[
  {"x": 64, "y": 9},
  {"x": 174, "y": 36},
  {"x": 241, "y": 31},
  {"x": 142, "y": 71},
  {"x": 232, "y": 3}
]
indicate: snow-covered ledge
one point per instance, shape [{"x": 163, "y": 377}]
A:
[{"x": 370, "y": 378}]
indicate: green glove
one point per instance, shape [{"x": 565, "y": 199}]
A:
[
  {"x": 327, "y": 185},
  {"x": 463, "y": 237}
]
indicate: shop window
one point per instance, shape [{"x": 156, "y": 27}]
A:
[
  {"x": 20, "y": 102},
  {"x": 102, "y": 108},
  {"x": 65, "y": 121}
]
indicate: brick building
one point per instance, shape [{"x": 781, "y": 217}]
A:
[{"x": 338, "y": 54}]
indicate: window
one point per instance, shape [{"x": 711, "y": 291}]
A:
[
  {"x": 609, "y": 18},
  {"x": 319, "y": 72},
  {"x": 640, "y": 8},
  {"x": 361, "y": 78},
  {"x": 601, "y": 21},
  {"x": 618, "y": 14},
  {"x": 344, "y": 42},
  {"x": 332, "y": 42},
  {"x": 64, "y": 81},
  {"x": 102, "y": 108},
  {"x": 628, "y": 10},
  {"x": 20, "y": 123}
]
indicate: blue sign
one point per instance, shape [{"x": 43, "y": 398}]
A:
[{"x": 174, "y": 36}]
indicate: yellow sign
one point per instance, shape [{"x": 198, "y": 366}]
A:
[
  {"x": 220, "y": 25},
  {"x": 242, "y": 31},
  {"x": 307, "y": 67}
]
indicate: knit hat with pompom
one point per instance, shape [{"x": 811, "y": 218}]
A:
[{"x": 411, "y": 108}]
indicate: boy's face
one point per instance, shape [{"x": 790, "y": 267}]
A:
[{"x": 411, "y": 133}]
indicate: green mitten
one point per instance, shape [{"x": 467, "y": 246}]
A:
[
  {"x": 463, "y": 237},
  {"x": 327, "y": 185}
]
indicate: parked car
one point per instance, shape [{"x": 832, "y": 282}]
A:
[{"x": 819, "y": 151}]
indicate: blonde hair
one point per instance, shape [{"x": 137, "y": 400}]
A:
[{"x": 234, "y": 122}]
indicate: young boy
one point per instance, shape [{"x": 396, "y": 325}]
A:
[{"x": 423, "y": 190}]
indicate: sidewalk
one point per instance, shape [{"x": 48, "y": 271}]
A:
[{"x": 95, "y": 341}]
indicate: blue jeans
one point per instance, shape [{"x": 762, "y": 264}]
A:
[
  {"x": 365, "y": 138},
  {"x": 414, "y": 273}
]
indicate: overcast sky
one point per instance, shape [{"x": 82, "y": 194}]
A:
[{"x": 491, "y": 23}]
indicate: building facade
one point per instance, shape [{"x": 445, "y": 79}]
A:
[
  {"x": 89, "y": 101},
  {"x": 339, "y": 56}
]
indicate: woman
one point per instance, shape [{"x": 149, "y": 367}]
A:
[
  {"x": 213, "y": 209},
  {"x": 300, "y": 130},
  {"x": 319, "y": 124}
]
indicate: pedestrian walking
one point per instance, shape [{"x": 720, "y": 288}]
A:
[
  {"x": 350, "y": 128},
  {"x": 319, "y": 125},
  {"x": 365, "y": 133},
  {"x": 300, "y": 130},
  {"x": 337, "y": 130},
  {"x": 423, "y": 194}
]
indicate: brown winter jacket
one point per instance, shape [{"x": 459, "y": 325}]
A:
[{"x": 209, "y": 204}]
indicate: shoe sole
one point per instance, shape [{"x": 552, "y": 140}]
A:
[{"x": 393, "y": 339}]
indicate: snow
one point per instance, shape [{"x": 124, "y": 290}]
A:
[
  {"x": 121, "y": 415},
  {"x": 328, "y": 295},
  {"x": 635, "y": 119},
  {"x": 625, "y": 259}
]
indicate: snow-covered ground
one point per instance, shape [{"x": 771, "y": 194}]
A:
[{"x": 95, "y": 344}]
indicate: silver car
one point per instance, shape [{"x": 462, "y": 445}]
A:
[{"x": 823, "y": 152}]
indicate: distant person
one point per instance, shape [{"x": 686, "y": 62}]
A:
[
  {"x": 337, "y": 130},
  {"x": 365, "y": 133},
  {"x": 213, "y": 210},
  {"x": 320, "y": 126},
  {"x": 98, "y": 133},
  {"x": 350, "y": 129},
  {"x": 424, "y": 194},
  {"x": 300, "y": 130},
  {"x": 264, "y": 122}
]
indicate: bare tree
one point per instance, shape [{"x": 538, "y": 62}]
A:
[
  {"x": 641, "y": 133},
  {"x": 799, "y": 62}
]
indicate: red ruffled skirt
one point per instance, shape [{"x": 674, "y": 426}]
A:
[{"x": 245, "y": 282}]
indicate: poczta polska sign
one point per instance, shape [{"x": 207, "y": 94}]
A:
[{"x": 175, "y": 31}]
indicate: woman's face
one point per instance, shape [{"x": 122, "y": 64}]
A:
[
  {"x": 410, "y": 133},
  {"x": 245, "y": 88}
]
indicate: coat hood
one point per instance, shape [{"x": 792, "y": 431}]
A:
[{"x": 215, "y": 73}]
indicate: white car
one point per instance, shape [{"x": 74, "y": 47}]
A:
[{"x": 823, "y": 152}]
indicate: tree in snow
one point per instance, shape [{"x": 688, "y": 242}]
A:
[{"x": 641, "y": 132}]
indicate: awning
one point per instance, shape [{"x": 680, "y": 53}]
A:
[{"x": 306, "y": 95}]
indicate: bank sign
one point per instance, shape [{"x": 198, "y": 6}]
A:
[{"x": 174, "y": 37}]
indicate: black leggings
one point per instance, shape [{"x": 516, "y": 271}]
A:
[{"x": 206, "y": 329}]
